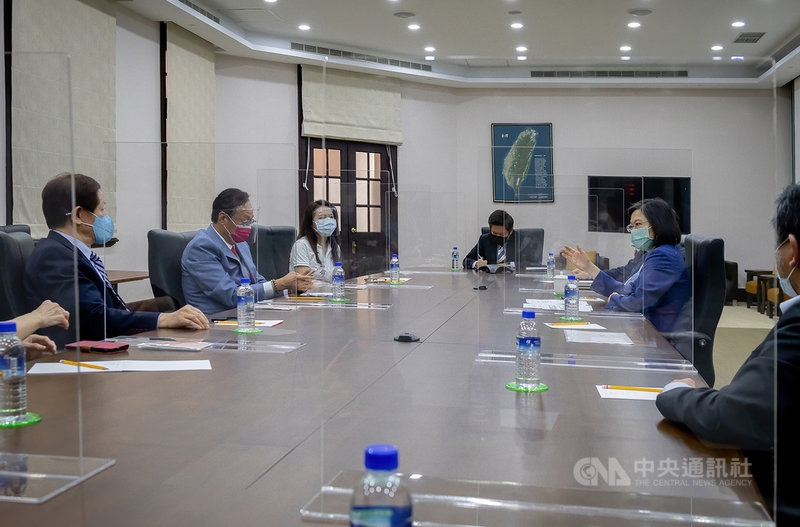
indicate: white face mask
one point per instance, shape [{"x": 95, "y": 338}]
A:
[{"x": 786, "y": 285}]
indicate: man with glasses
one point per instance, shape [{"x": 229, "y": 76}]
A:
[
  {"x": 217, "y": 258},
  {"x": 744, "y": 413}
]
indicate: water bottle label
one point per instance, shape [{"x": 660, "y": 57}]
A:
[
  {"x": 570, "y": 293},
  {"x": 244, "y": 301},
  {"x": 338, "y": 278},
  {"x": 372, "y": 516},
  {"x": 528, "y": 344},
  {"x": 12, "y": 367}
]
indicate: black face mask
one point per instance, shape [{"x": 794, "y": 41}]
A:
[{"x": 499, "y": 240}]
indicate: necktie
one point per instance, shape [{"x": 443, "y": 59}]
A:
[
  {"x": 501, "y": 254},
  {"x": 233, "y": 248},
  {"x": 101, "y": 269}
]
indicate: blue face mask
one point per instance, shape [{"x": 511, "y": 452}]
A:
[
  {"x": 103, "y": 228},
  {"x": 326, "y": 226},
  {"x": 640, "y": 238}
]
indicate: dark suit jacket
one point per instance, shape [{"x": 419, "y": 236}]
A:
[
  {"x": 487, "y": 249},
  {"x": 49, "y": 275},
  {"x": 742, "y": 413}
]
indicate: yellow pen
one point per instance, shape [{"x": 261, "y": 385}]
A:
[
  {"x": 306, "y": 298},
  {"x": 83, "y": 364},
  {"x": 632, "y": 388},
  {"x": 566, "y": 324}
]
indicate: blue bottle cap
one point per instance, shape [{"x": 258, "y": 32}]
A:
[
  {"x": 380, "y": 457},
  {"x": 244, "y": 281},
  {"x": 571, "y": 277},
  {"x": 337, "y": 264},
  {"x": 527, "y": 313},
  {"x": 8, "y": 327},
  {"x": 394, "y": 255}
]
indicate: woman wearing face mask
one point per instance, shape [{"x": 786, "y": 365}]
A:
[
  {"x": 316, "y": 248},
  {"x": 661, "y": 287}
]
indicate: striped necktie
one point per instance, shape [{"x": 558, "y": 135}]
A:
[
  {"x": 501, "y": 254},
  {"x": 101, "y": 269}
]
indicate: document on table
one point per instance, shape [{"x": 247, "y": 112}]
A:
[
  {"x": 597, "y": 337},
  {"x": 573, "y": 325},
  {"x": 555, "y": 304},
  {"x": 121, "y": 365},
  {"x": 629, "y": 392}
]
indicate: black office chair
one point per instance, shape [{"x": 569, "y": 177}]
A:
[
  {"x": 164, "y": 251},
  {"x": 705, "y": 258},
  {"x": 529, "y": 249},
  {"x": 15, "y": 248},
  {"x": 16, "y": 228},
  {"x": 270, "y": 246}
]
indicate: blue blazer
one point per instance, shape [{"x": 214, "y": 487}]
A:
[
  {"x": 211, "y": 273},
  {"x": 49, "y": 275},
  {"x": 660, "y": 291}
]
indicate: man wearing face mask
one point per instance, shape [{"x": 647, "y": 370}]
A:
[
  {"x": 498, "y": 246},
  {"x": 744, "y": 413},
  {"x": 316, "y": 248},
  {"x": 217, "y": 258},
  {"x": 50, "y": 274}
]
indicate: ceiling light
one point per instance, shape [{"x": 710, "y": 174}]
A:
[
  {"x": 639, "y": 12},
  {"x": 624, "y": 48},
  {"x": 717, "y": 47},
  {"x": 270, "y": 1},
  {"x": 303, "y": 27},
  {"x": 516, "y": 25},
  {"x": 413, "y": 27},
  {"x": 404, "y": 14},
  {"x": 738, "y": 23},
  {"x": 522, "y": 57},
  {"x": 430, "y": 49},
  {"x": 716, "y": 57},
  {"x": 430, "y": 57},
  {"x": 625, "y": 57},
  {"x": 737, "y": 57},
  {"x": 522, "y": 48},
  {"x": 634, "y": 24}
]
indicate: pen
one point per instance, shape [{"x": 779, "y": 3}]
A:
[
  {"x": 82, "y": 364},
  {"x": 567, "y": 324},
  {"x": 632, "y": 388},
  {"x": 306, "y": 298}
]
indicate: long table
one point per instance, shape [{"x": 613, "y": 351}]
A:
[{"x": 272, "y": 437}]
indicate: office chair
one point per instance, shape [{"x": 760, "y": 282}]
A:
[
  {"x": 164, "y": 251},
  {"x": 15, "y": 248},
  {"x": 529, "y": 249},
  {"x": 270, "y": 246},
  {"x": 705, "y": 258},
  {"x": 15, "y": 228}
]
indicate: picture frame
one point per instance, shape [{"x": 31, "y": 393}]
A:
[{"x": 522, "y": 163}]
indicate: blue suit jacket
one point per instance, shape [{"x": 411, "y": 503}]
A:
[
  {"x": 211, "y": 273},
  {"x": 660, "y": 291},
  {"x": 49, "y": 275}
]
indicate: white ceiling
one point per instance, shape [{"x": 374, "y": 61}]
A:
[{"x": 475, "y": 47}]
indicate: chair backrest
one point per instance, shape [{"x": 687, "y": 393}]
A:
[
  {"x": 15, "y": 248},
  {"x": 270, "y": 246},
  {"x": 16, "y": 228},
  {"x": 530, "y": 244},
  {"x": 164, "y": 251},
  {"x": 705, "y": 258}
]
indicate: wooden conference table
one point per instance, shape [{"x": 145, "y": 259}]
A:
[{"x": 271, "y": 430}]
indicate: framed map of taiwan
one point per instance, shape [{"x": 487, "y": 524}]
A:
[{"x": 522, "y": 163}]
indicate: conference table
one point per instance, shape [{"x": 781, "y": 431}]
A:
[{"x": 273, "y": 433}]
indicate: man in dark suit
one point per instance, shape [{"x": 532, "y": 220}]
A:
[
  {"x": 498, "y": 246},
  {"x": 744, "y": 413},
  {"x": 50, "y": 274}
]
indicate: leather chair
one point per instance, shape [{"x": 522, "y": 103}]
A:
[
  {"x": 705, "y": 258},
  {"x": 164, "y": 251},
  {"x": 270, "y": 246},
  {"x": 16, "y": 228},
  {"x": 15, "y": 248},
  {"x": 529, "y": 249}
]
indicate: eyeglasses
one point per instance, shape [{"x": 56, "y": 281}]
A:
[
  {"x": 637, "y": 225},
  {"x": 242, "y": 223}
]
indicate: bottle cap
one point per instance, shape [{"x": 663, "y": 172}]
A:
[
  {"x": 549, "y": 254},
  {"x": 8, "y": 327},
  {"x": 337, "y": 264},
  {"x": 244, "y": 281},
  {"x": 394, "y": 255},
  {"x": 528, "y": 313},
  {"x": 380, "y": 457},
  {"x": 571, "y": 277}
]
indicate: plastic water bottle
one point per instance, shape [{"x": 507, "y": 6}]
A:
[
  {"x": 551, "y": 265},
  {"x": 455, "y": 261},
  {"x": 394, "y": 269},
  {"x": 246, "y": 307},
  {"x": 571, "y": 299},
  {"x": 13, "y": 388},
  {"x": 380, "y": 498},
  {"x": 529, "y": 352},
  {"x": 338, "y": 281}
]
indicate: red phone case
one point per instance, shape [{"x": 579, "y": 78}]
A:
[{"x": 97, "y": 346}]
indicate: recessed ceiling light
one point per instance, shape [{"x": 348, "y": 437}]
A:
[
  {"x": 430, "y": 57},
  {"x": 624, "y": 48},
  {"x": 515, "y": 13},
  {"x": 430, "y": 49},
  {"x": 522, "y": 48},
  {"x": 625, "y": 57},
  {"x": 738, "y": 23},
  {"x": 716, "y": 57},
  {"x": 270, "y": 1},
  {"x": 639, "y": 12},
  {"x": 413, "y": 27},
  {"x": 404, "y": 14},
  {"x": 717, "y": 47},
  {"x": 303, "y": 27},
  {"x": 737, "y": 57},
  {"x": 522, "y": 57},
  {"x": 634, "y": 24},
  {"x": 517, "y": 25}
]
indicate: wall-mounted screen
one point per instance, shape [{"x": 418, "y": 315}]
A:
[{"x": 610, "y": 197}]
